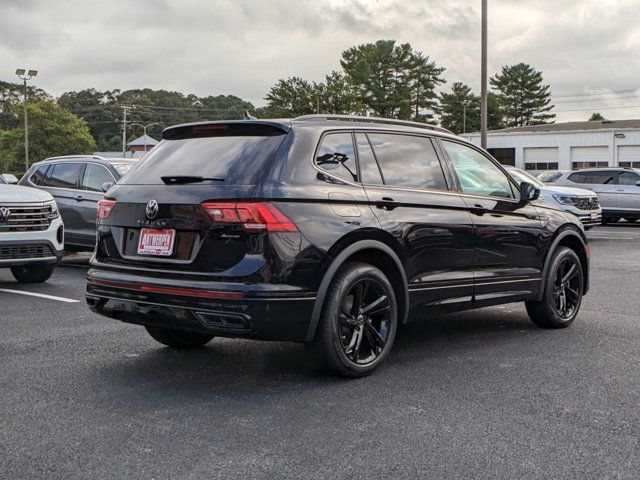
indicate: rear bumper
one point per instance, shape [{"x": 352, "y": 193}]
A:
[{"x": 262, "y": 312}]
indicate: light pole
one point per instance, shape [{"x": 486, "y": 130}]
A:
[
  {"x": 483, "y": 93},
  {"x": 24, "y": 76},
  {"x": 144, "y": 129}
]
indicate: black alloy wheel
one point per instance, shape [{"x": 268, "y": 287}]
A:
[
  {"x": 562, "y": 291},
  {"x": 567, "y": 287},
  {"x": 364, "y": 321},
  {"x": 358, "y": 323}
]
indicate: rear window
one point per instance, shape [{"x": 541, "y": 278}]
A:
[
  {"x": 239, "y": 160},
  {"x": 408, "y": 161},
  {"x": 65, "y": 175}
]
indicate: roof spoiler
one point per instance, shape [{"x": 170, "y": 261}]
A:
[{"x": 229, "y": 128}]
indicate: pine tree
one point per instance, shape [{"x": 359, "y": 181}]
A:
[{"x": 525, "y": 99}]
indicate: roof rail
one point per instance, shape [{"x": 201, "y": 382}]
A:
[{"x": 384, "y": 121}]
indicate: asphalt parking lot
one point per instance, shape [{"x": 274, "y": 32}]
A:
[{"x": 482, "y": 394}]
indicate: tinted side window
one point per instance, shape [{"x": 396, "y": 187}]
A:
[
  {"x": 95, "y": 176},
  {"x": 337, "y": 156},
  {"x": 578, "y": 178},
  {"x": 369, "y": 171},
  {"x": 477, "y": 174},
  {"x": 65, "y": 175},
  {"x": 601, "y": 178},
  {"x": 38, "y": 177},
  {"x": 628, "y": 178},
  {"x": 408, "y": 161}
]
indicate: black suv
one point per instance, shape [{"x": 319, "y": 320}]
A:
[{"x": 327, "y": 230}]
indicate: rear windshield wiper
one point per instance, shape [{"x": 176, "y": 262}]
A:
[{"x": 174, "y": 179}]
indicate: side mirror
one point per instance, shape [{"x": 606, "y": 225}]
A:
[
  {"x": 638, "y": 183},
  {"x": 528, "y": 192},
  {"x": 106, "y": 186}
]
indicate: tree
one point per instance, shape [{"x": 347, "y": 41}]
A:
[
  {"x": 452, "y": 110},
  {"x": 337, "y": 96},
  {"x": 459, "y": 110},
  {"x": 596, "y": 117},
  {"x": 12, "y": 94},
  {"x": 392, "y": 80},
  {"x": 292, "y": 97},
  {"x": 52, "y": 131},
  {"x": 525, "y": 99},
  {"x": 424, "y": 78}
]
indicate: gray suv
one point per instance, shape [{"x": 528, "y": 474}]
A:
[
  {"x": 77, "y": 183},
  {"x": 618, "y": 190}
]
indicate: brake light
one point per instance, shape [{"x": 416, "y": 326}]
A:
[
  {"x": 253, "y": 216},
  {"x": 104, "y": 209}
]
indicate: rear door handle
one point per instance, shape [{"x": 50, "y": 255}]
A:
[
  {"x": 79, "y": 198},
  {"x": 386, "y": 203}
]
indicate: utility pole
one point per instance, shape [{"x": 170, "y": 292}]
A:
[
  {"x": 464, "y": 116},
  {"x": 125, "y": 112},
  {"x": 483, "y": 93},
  {"x": 20, "y": 72}
]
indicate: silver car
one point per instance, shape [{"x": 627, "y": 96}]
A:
[
  {"x": 618, "y": 190},
  {"x": 582, "y": 203}
]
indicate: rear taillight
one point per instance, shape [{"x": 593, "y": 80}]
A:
[
  {"x": 253, "y": 216},
  {"x": 104, "y": 209}
]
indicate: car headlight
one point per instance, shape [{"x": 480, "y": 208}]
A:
[
  {"x": 54, "y": 210},
  {"x": 563, "y": 200}
]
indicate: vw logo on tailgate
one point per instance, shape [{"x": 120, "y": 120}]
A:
[
  {"x": 152, "y": 210},
  {"x": 5, "y": 213}
]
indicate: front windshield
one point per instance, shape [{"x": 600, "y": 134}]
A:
[{"x": 522, "y": 176}]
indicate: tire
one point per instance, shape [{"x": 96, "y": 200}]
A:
[
  {"x": 358, "y": 322},
  {"x": 631, "y": 220},
  {"x": 178, "y": 338},
  {"x": 33, "y": 273},
  {"x": 563, "y": 288}
]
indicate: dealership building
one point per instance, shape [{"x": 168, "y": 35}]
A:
[{"x": 566, "y": 146}]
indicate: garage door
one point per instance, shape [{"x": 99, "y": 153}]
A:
[
  {"x": 587, "y": 157},
  {"x": 541, "y": 158},
  {"x": 629, "y": 156}
]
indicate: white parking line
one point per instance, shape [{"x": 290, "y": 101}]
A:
[{"x": 41, "y": 295}]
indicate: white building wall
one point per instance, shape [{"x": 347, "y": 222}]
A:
[{"x": 561, "y": 140}]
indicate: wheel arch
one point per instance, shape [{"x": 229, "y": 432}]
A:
[
  {"x": 376, "y": 253},
  {"x": 568, "y": 237}
]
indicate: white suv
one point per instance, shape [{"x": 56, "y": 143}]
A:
[{"x": 31, "y": 233}]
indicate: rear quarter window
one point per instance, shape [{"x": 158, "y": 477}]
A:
[
  {"x": 238, "y": 159},
  {"x": 336, "y": 156}
]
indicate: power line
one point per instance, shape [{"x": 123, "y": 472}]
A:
[{"x": 589, "y": 94}]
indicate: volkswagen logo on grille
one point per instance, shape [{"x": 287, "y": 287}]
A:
[
  {"x": 5, "y": 213},
  {"x": 152, "y": 210}
]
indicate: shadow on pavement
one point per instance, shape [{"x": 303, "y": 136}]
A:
[{"x": 238, "y": 369}]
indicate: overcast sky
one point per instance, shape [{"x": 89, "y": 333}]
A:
[{"x": 242, "y": 47}]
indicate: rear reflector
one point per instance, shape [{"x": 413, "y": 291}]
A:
[
  {"x": 104, "y": 209},
  {"x": 185, "y": 292},
  {"x": 253, "y": 216}
]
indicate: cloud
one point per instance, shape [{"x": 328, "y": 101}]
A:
[{"x": 243, "y": 46}]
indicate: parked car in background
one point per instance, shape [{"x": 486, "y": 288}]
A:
[
  {"x": 77, "y": 183},
  {"x": 31, "y": 233},
  {"x": 329, "y": 230},
  {"x": 618, "y": 190},
  {"x": 9, "y": 178},
  {"x": 582, "y": 203},
  {"x": 549, "y": 176}
]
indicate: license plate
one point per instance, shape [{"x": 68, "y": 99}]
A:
[
  {"x": 156, "y": 242},
  {"x": 595, "y": 215}
]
